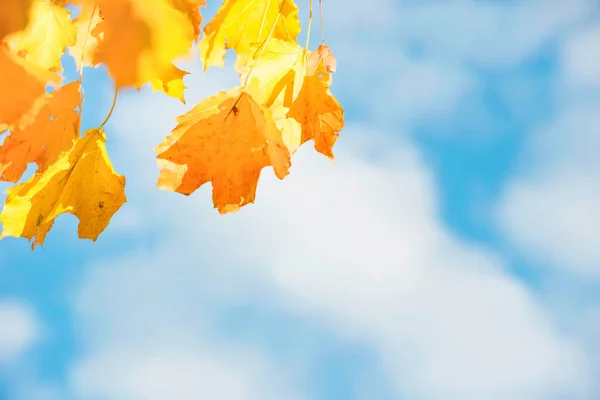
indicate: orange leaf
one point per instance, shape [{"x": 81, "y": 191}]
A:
[
  {"x": 14, "y": 15},
  {"x": 227, "y": 139},
  {"x": 139, "y": 39},
  {"x": 320, "y": 114},
  {"x": 46, "y": 131},
  {"x": 191, "y": 8},
  {"x": 321, "y": 60},
  {"x": 24, "y": 81}
]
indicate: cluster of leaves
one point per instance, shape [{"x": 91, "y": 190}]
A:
[{"x": 282, "y": 102}]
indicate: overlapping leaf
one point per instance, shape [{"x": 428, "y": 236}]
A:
[
  {"x": 227, "y": 139},
  {"x": 319, "y": 113},
  {"x": 81, "y": 182},
  {"x": 24, "y": 81},
  {"x": 47, "y": 130},
  {"x": 138, "y": 41},
  {"x": 49, "y": 32},
  {"x": 14, "y": 16},
  {"x": 240, "y": 23}
]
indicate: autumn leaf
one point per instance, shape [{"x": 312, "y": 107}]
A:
[
  {"x": 279, "y": 66},
  {"x": 227, "y": 139},
  {"x": 240, "y": 23},
  {"x": 81, "y": 182},
  {"x": 140, "y": 40},
  {"x": 48, "y": 129},
  {"x": 171, "y": 82},
  {"x": 84, "y": 48},
  {"x": 279, "y": 72},
  {"x": 191, "y": 8},
  {"x": 294, "y": 83},
  {"x": 319, "y": 113},
  {"x": 47, "y": 35},
  {"x": 14, "y": 16},
  {"x": 24, "y": 81},
  {"x": 282, "y": 102},
  {"x": 321, "y": 60}
]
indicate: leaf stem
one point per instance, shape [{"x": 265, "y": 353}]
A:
[
  {"x": 87, "y": 35},
  {"x": 112, "y": 108},
  {"x": 310, "y": 14},
  {"x": 263, "y": 45},
  {"x": 322, "y": 24}
]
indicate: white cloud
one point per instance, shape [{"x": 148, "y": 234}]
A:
[
  {"x": 356, "y": 246},
  {"x": 581, "y": 57},
  {"x": 175, "y": 370},
  {"x": 19, "y": 329},
  {"x": 551, "y": 210},
  {"x": 489, "y": 33}
]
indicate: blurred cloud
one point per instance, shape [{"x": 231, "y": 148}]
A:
[
  {"x": 19, "y": 329},
  {"x": 356, "y": 247},
  {"x": 580, "y": 57},
  {"x": 550, "y": 211}
]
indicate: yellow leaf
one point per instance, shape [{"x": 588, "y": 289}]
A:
[
  {"x": 319, "y": 113},
  {"x": 291, "y": 130},
  {"x": 141, "y": 39},
  {"x": 48, "y": 34},
  {"x": 47, "y": 130},
  {"x": 280, "y": 71},
  {"x": 24, "y": 81},
  {"x": 81, "y": 182},
  {"x": 171, "y": 82},
  {"x": 227, "y": 139},
  {"x": 240, "y": 23},
  {"x": 83, "y": 50},
  {"x": 14, "y": 15}
]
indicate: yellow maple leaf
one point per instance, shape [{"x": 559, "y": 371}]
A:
[
  {"x": 319, "y": 113},
  {"x": 226, "y": 139},
  {"x": 24, "y": 81},
  {"x": 240, "y": 23},
  {"x": 279, "y": 71},
  {"x": 49, "y": 128},
  {"x": 47, "y": 35},
  {"x": 14, "y": 16},
  {"x": 85, "y": 46},
  {"x": 171, "y": 82},
  {"x": 140, "y": 40},
  {"x": 81, "y": 182}
]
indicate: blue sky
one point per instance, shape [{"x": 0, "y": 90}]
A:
[{"x": 452, "y": 251}]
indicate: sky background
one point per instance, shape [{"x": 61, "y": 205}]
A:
[{"x": 452, "y": 251}]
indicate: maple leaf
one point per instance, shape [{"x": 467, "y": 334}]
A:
[
  {"x": 84, "y": 48},
  {"x": 321, "y": 60},
  {"x": 47, "y": 130},
  {"x": 279, "y": 72},
  {"x": 140, "y": 39},
  {"x": 171, "y": 82},
  {"x": 81, "y": 182},
  {"x": 240, "y": 23},
  {"x": 226, "y": 139},
  {"x": 24, "y": 81},
  {"x": 47, "y": 35},
  {"x": 320, "y": 114},
  {"x": 14, "y": 16}
]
